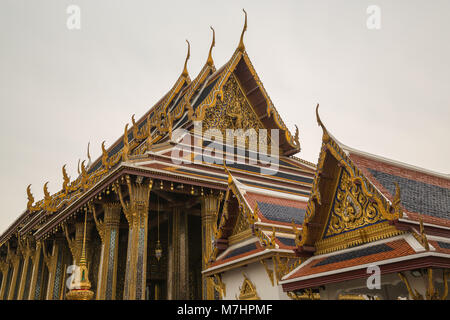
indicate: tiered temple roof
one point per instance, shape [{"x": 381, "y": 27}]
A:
[
  {"x": 367, "y": 210},
  {"x": 145, "y": 149}
]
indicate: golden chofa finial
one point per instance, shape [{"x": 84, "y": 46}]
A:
[
  {"x": 66, "y": 179},
  {"x": 210, "y": 61},
  {"x": 126, "y": 146},
  {"x": 319, "y": 122},
  {"x": 241, "y": 46},
  {"x": 30, "y": 198},
  {"x": 46, "y": 193},
  {"x": 105, "y": 162},
  {"x": 185, "y": 72},
  {"x": 89, "y": 155}
]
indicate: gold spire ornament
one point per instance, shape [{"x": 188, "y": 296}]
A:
[
  {"x": 89, "y": 155},
  {"x": 296, "y": 137},
  {"x": 185, "y": 72},
  {"x": 241, "y": 46},
  {"x": 82, "y": 290},
  {"x": 126, "y": 146},
  {"x": 210, "y": 61},
  {"x": 47, "y": 196},
  {"x": 319, "y": 121},
  {"x": 30, "y": 199},
  {"x": 66, "y": 180},
  {"x": 105, "y": 162}
]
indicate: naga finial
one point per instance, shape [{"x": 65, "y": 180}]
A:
[
  {"x": 241, "y": 46},
  {"x": 78, "y": 167},
  {"x": 296, "y": 137},
  {"x": 210, "y": 61},
  {"x": 185, "y": 72},
  {"x": 46, "y": 193},
  {"x": 104, "y": 156},
  {"x": 66, "y": 179},
  {"x": 396, "y": 206},
  {"x": 83, "y": 168},
  {"x": 126, "y": 147},
  {"x": 319, "y": 122},
  {"x": 89, "y": 155},
  {"x": 30, "y": 197},
  {"x": 135, "y": 128}
]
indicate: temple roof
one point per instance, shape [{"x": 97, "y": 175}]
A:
[
  {"x": 423, "y": 193},
  {"x": 265, "y": 224},
  {"x": 185, "y": 102},
  {"x": 396, "y": 254},
  {"x": 366, "y": 210}
]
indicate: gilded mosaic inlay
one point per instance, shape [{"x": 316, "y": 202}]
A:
[{"x": 352, "y": 208}]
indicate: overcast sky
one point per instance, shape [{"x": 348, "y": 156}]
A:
[{"x": 384, "y": 91}]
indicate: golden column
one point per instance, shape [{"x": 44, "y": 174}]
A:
[
  {"x": 109, "y": 234},
  {"x": 210, "y": 205},
  {"x": 35, "y": 285},
  {"x": 76, "y": 244},
  {"x": 4, "y": 269},
  {"x": 14, "y": 258},
  {"x": 178, "y": 263},
  {"x": 27, "y": 251},
  {"x": 136, "y": 213},
  {"x": 54, "y": 263}
]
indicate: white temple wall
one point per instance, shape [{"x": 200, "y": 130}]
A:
[{"x": 257, "y": 274}]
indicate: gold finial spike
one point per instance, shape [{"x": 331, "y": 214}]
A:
[
  {"x": 126, "y": 147},
  {"x": 319, "y": 122},
  {"x": 66, "y": 178},
  {"x": 185, "y": 72},
  {"x": 210, "y": 61},
  {"x": 46, "y": 193},
  {"x": 241, "y": 46},
  {"x": 83, "y": 168},
  {"x": 30, "y": 197},
  {"x": 104, "y": 156},
  {"x": 89, "y": 154},
  {"x": 78, "y": 167},
  {"x": 296, "y": 137}
]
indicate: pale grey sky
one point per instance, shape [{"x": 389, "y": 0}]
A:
[{"x": 383, "y": 91}]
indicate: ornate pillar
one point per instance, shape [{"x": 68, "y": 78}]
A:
[
  {"x": 136, "y": 213},
  {"x": 54, "y": 262},
  {"x": 5, "y": 270},
  {"x": 36, "y": 277},
  {"x": 109, "y": 234},
  {"x": 27, "y": 252},
  {"x": 178, "y": 263},
  {"x": 76, "y": 244},
  {"x": 210, "y": 205},
  {"x": 16, "y": 265}
]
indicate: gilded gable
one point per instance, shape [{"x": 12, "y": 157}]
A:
[{"x": 233, "y": 111}]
